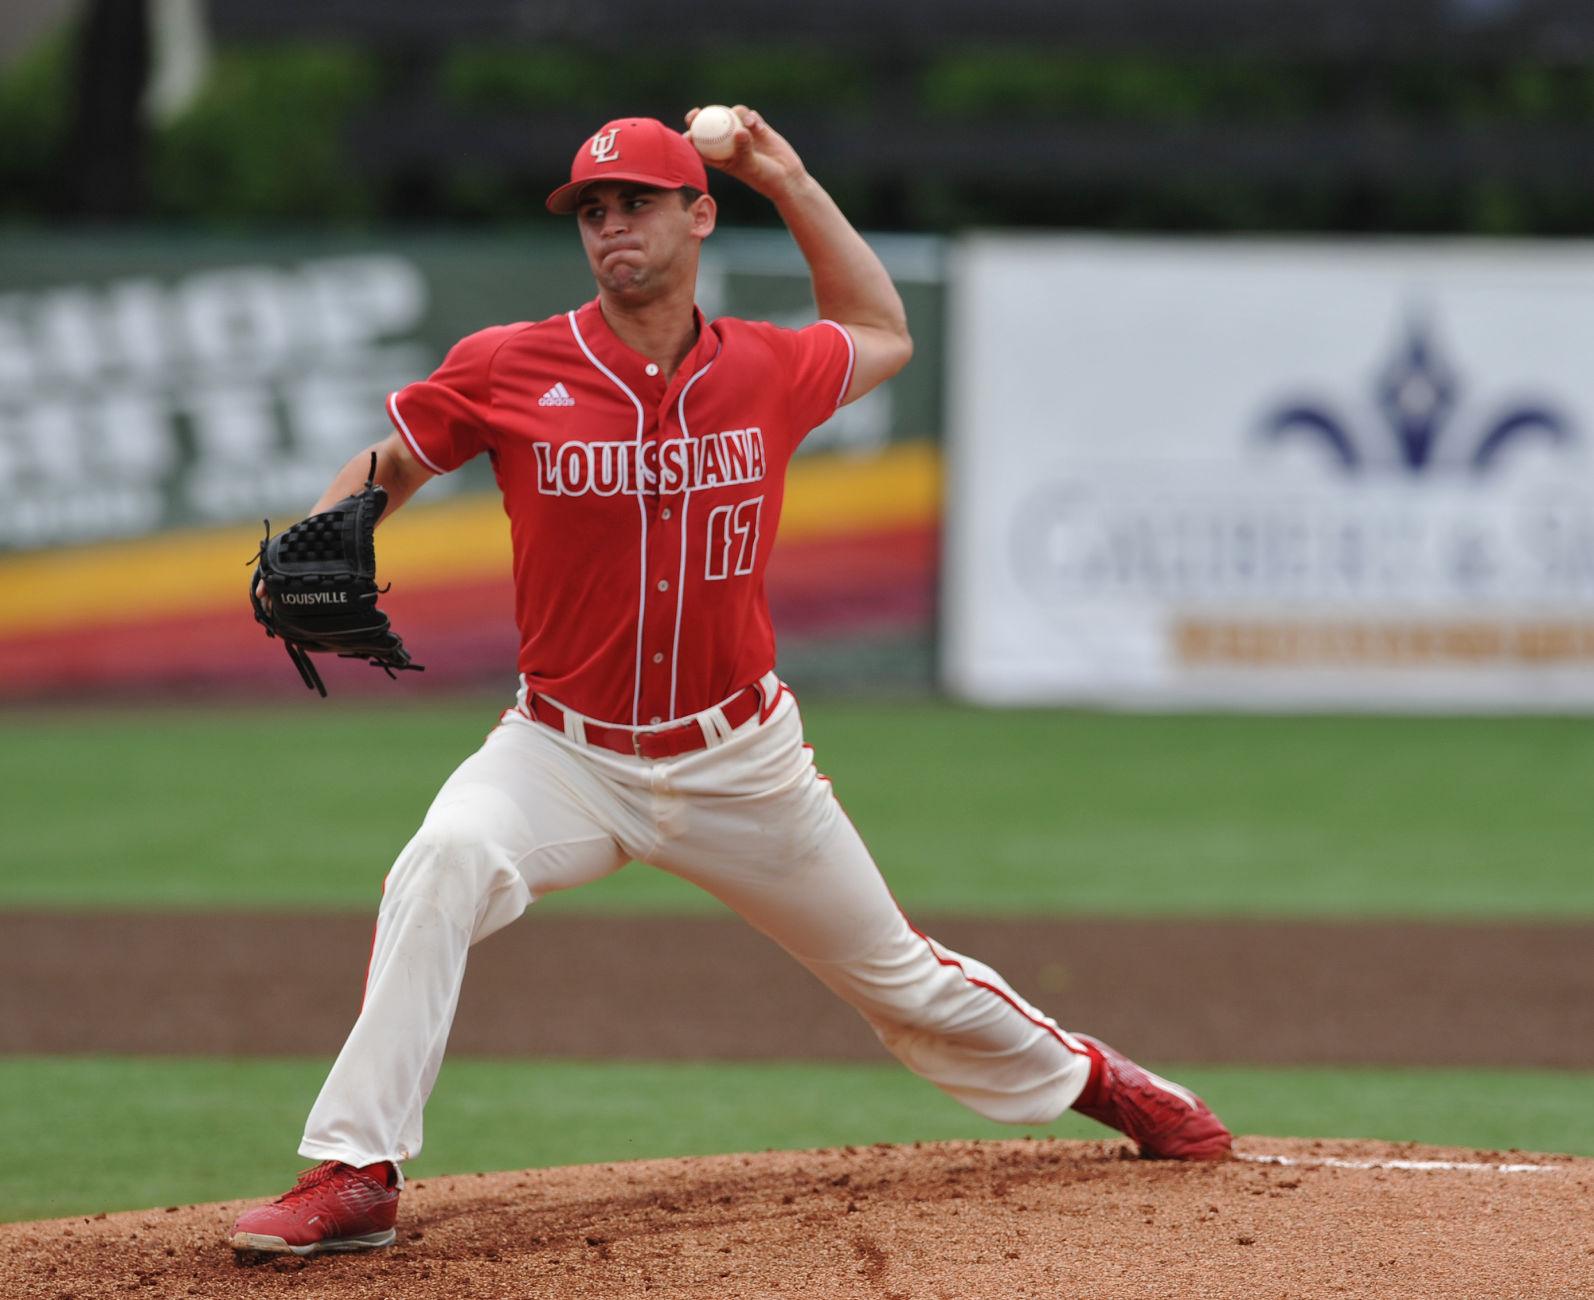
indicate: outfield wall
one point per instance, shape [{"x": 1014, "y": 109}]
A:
[
  {"x": 159, "y": 396},
  {"x": 1182, "y": 473},
  {"x": 1271, "y": 475}
]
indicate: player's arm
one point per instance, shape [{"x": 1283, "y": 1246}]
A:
[
  {"x": 851, "y": 286},
  {"x": 397, "y": 470}
]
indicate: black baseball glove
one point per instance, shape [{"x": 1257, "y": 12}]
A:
[{"x": 320, "y": 587}]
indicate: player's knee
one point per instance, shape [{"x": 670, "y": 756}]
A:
[
  {"x": 460, "y": 852},
  {"x": 913, "y": 1010},
  {"x": 892, "y": 1004}
]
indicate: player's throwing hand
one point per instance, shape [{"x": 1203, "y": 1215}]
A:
[{"x": 761, "y": 158}]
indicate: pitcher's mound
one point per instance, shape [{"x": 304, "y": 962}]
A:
[{"x": 960, "y": 1219}]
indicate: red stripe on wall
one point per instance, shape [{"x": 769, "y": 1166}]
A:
[
  {"x": 861, "y": 582},
  {"x": 855, "y": 585}
]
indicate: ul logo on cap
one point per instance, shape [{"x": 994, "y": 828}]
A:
[{"x": 605, "y": 146}]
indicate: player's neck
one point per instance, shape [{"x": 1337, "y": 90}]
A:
[{"x": 663, "y": 330}]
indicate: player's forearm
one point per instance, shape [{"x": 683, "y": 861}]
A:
[
  {"x": 396, "y": 471},
  {"x": 851, "y": 285}
]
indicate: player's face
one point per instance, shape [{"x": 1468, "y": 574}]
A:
[{"x": 641, "y": 242}]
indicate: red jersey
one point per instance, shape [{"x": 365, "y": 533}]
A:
[{"x": 642, "y": 511}]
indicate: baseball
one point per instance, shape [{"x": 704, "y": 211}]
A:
[{"x": 713, "y": 131}]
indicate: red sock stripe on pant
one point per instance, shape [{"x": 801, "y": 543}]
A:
[
  {"x": 370, "y": 958},
  {"x": 1064, "y": 1039},
  {"x": 1078, "y": 1049}
]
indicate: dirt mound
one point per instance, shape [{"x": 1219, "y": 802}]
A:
[{"x": 989, "y": 1219}]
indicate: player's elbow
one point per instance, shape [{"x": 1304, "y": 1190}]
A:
[
  {"x": 898, "y": 351},
  {"x": 880, "y": 352},
  {"x": 907, "y": 347}
]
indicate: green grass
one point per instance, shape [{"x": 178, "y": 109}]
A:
[
  {"x": 304, "y": 805},
  {"x": 90, "y": 1134}
]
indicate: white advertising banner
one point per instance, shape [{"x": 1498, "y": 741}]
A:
[{"x": 1271, "y": 475}]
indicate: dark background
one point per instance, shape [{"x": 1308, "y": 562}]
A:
[{"x": 1467, "y": 116}]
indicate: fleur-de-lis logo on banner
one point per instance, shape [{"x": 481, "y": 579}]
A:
[
  {"x": 1417, "y": 394},
  {"x": 606, "y": 145}
]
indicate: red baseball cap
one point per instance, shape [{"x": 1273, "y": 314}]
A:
[{"x": 638, "y": 149}]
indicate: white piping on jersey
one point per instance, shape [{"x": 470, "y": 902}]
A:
[
  {"x": 686, "y": 506},
  {"x": 392, "y": 407},
  {"x": 852, "y": 358},
  {"x": 642, "y": 511}
]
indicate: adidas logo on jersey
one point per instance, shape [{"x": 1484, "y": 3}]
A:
[{"x": 558, "y": 395}]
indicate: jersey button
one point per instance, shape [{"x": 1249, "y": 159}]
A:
[
  {"x": 655, "y": 720},
  {"x": 664, "y": 584},
  {"x": 652, "y": 370},
  {"x": 658, "y": 656},
  {"x": 665, "y": 512}
]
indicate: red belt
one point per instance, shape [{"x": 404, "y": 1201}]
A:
[{"x": 665, "y": 742}]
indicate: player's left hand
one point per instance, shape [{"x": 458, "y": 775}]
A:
[
  {"x": 315, "y": 587},
  {"x": 763, "y": 160}
]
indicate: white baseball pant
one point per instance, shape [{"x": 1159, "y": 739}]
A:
[{"x": 750, "y": 820}]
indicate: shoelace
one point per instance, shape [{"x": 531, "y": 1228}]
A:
[
  {"x": 309, "y": 1180},
  {"x": 1150, "y": 1103},
  {"x": 1132, "y": 1080}
]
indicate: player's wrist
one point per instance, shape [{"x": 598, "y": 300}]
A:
[{"x": 794, "y": 189}]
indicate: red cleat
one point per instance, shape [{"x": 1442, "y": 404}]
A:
[
  {"x": 1166, "y": 1121},
  {"x": 332, "y": 1207}
]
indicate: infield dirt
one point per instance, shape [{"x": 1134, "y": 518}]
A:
[
  {"x": 990, "y": 1220},
  {"x": 672, "y": 988}
]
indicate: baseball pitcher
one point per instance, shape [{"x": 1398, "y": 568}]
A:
[{"x": 642, "y": 451}]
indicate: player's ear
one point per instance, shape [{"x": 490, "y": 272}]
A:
[{"x": 705, "y": 212}]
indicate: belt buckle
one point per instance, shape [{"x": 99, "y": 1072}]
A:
[{"x": 636, "y": 744}]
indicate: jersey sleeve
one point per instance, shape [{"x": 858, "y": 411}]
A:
[
  {"x": 821, "y": 370},
  {"x": 444, "y": 418},
  {"x": 816, "y": 363}
]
